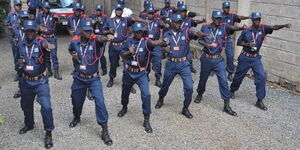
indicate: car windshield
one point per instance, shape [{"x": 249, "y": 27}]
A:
[{"x": 61, "y": 3}]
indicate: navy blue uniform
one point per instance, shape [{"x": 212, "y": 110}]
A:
[
  {"x": 153, "y": 33},
  {"x": 49, "y": 22},
  {"x": 74, "y": 24},
  {"x": 211, "y": 59},
  {"x": 121, "y": 33},
  {"x": 135, "y": 72},
  {"x": 14, "y": 22},
  {"x": 86, "y": 76},
  {"x": 230, "y": 19},
  {"x": 34, "y": 82},
  {"x": 250, "y": 58},
  {"x": 178, "y": 63},
  {"x": 99, "y": 29}
]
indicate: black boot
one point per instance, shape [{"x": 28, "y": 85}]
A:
[
  {"x": 146, "y": 124},
  {"x": 228, "y": 109},
  {"x": 105, "y": 136},
  {"x": 260, "y": 104},
  {"x": 104, "y": 72},
  {"x": 198, "y": 99},
  {"x": 49, "y": 71},
  {"x": 157, "y": 82},
  {"x": 110, "y": 82},
  {"x": 230, "y": 77},
  {"x": 57, "y": 75},
  {"x": 133, "y": 91},
  {"x": 159, "y": 103},
  {"x": 186, "y": 113},
  {"x": 123, "y": 111},
  {"x": 17, "y": 94},
  {"x": 193, "y": 70},
  {"x": 25, "y": 129},
  {"x": 232, "y": 95},
  {"x": 74, "y": 122},
  {"x": 48, "y": 140}
]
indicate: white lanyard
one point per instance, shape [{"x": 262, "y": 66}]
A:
[
  {"x": 82, "y": 53},
  {"x": 150, "y": 27},
  {"x": 174, "y": 38},
  {"x": 215, "y": 35},
  {"x": 138, "y": 47},
  {"x": 46, "y": 20},
  {"x": 76, "y": 24},
  {"x": 27, "y": 53},
  {"x": 22, "y": 34},
  {"x": 255, "y": 37},
  {"x": 117, "y": 25}
]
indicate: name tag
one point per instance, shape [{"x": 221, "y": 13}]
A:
[
  {"x": 151, "y": 36},
  {"x": 141, "y": 49},
  {"x": 176, "y": 48},
  {"x": 82, "y": 67},
  {"x": 97, "y": 30},
  {"x": 36, "y": 49},
  {"x": 116, "y": 35},
  {"x": 90, "y": 48},
  {"x": 123, "y": 24},
  {"x": 29, "y": 68},
  {"x": 134, "y": 63}
]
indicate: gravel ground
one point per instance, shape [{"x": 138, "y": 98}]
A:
[{"x": 277, "y": 128}]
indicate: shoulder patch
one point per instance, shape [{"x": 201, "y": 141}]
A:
[
  {"x": 207, "y": 23},
  {"x": 40, "y": 38},
  {"x": 93, "y": 36},
  {"x": 76, "y": 37}
]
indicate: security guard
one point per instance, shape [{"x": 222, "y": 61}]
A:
[
  {"x": 230, "y": 18},
  {"x": 74, "y": 20},
  {"x": 119, "y": 27},
  {"x": 252, "y": 39},
  {"x": 211, "y": 59},
  {"x": 178, "y": 62},
  {"x": 47, "y": 23},
  {"x": 34, "y": 80},
  {"x": 86, "y": 51},
  {"x": 167, "y": 11},
  {"x": 99, "y": 19},
  {"x": 188, "y": 23},
  {"x": 153, "y": 33},
  {"x": 13, "y": 22},
  {"x": 144, "y": 12},
  {"x": 32, "y": 7},
  {"x": 136, "y": 54},
  {"x": 18, "y": 36}
]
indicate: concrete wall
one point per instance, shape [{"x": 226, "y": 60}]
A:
[{"x": 281, "y": 50}]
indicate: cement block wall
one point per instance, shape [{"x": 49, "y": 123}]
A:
[{"x": 281, "y": 50}]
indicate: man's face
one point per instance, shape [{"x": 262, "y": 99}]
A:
[
  {"x": 86, "y": 33},
  {"x": 77, "y": 12},
  {"x": 183, "y": 13},
  {"x": 226, "y": 10},
  {"x": 24, "y": 18},
  {"x": 150, "y": 16},
  {"x": 176, "y": 25},
  {"x": 119, "y": 12},
  {"x": 18, "y": 7},
  {"x": 216, "y": 21},
  {"x": 256, "y": 22},
  {"x": 46, "y": 10},
  {"x": 30, "y": 35},
  {"x": 138, "y": 34},
  {"x": 167, "y": 5},
  {"x": 98, "y": 12}
]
